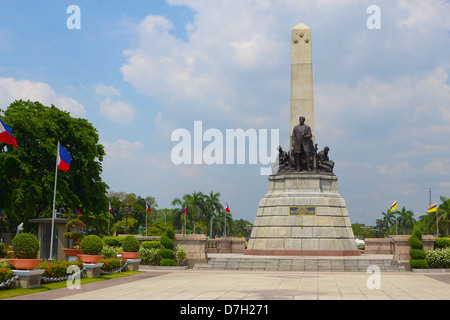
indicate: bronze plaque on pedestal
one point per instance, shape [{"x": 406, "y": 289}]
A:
[{"x": 302, "y": 211}]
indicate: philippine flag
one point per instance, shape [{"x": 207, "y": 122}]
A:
[
  {"x": 63, "y": 159},
  {"x": 227, "y": 208},
  {"x": 6, "y": 135},
  {"x": 111, "y": 210},
  {"x": 185, "y": 209},
  {"x": 78, "y": 212},
  {"x": 148, "y": 207}
]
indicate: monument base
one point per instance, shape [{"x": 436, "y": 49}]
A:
[{"x": 302, "y": 214}]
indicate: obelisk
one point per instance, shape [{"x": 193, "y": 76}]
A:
[
  {"x": 302, "y": 96},
  {"x": 302, "y": 214}
]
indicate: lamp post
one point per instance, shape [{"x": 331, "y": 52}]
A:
[{"x": 126, "y": 210}]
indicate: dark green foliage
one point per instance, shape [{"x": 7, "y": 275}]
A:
[
  {"x": 415, "y": 242},
  {"x": 170, "y": 233},
  {"x": 168, "y": 262},
  {"x": 28, "y": 172},
  {"x": 130, "y": 244},
  {"x": 25, "y": 246},
  {"x": 3, "y": 250},
  {"x": 91, "y": 244},
  {"x": 166, "y": 242},
  {"x": 417, "y": 254},
  {"x": 166, "y": 253},
  {"x": 113, "y": 241},
  {"x": 151, "y": 244},
  {"x": 418, "y": 264},
  {"x": 441, "y": 243}
]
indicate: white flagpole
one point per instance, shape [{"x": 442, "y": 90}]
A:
[{"x": 54, "y": 200}]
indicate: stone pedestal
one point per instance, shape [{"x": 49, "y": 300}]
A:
[
  {"x": 133, "y": 264},
  {"x": 29, "y": 278},
  {"x": 302, "y": 214},
  {"x": 92, "y": 270}
]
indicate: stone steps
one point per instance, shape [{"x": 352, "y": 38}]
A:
[{"x": 298, "y": 264}]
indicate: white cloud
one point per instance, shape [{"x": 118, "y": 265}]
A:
[
  {"x": 11, "y": 90},
  {"x": 104, "y": 90},
  {"x": 425, "y": 14},
  {"x": 122, "y": 149},
  {"x": 117, "y": 111}
]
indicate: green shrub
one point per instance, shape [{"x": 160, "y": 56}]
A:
[
  {"x": 180, "y": 253},
  {"x": 151, "y": 245},
  {"x": 3, "y": 250},
  {"x": 113, "y": 241},
  {"x": 166, "y": 253},
  {"x": 111, "y": 264},
  {"x": 149, "y": 256},
  {"x": 441, "y": 243},
  {"x": 170, "y": 233},
  {"x": 110, "y": 251},
  {"x": 418, "y": 264},
  {"x": 5, "y": 274},
  {"x": 438, "y": 258},
  {"x": 417, "y": 254},
  {"x": 418, "y": 233},
  {"x": 168, "y": 262},
  {"x": 25, "y": 246},
  {"x": 167, "y": 242},
  {"x": 130, "y": 244},
  {"x": 91, "y": 244},
  {"x": 415, "y": 242},
  {"x": 57, "y": 269}
]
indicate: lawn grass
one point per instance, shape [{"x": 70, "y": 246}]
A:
[{"x": 10, "y": 293}]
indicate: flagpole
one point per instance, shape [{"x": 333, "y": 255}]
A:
[{"x": 54, "y": 200}]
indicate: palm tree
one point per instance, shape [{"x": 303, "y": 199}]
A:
[
  {"x": 406, "y": 219},
  {"x": 177, "y": 202},
  {"x": 389, "y": 218},
  {"x": 197, "y": 207},
  {"x": 213, "y": 204},
  {"x": 444, "y": 211}
]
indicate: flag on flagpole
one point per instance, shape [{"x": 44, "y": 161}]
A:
[
  {"x": 227, "y": 208},
  {"x": 6, "y": 135},
  {"x": 432, "y": 208},
  {"x": 78, "y": 212},
  {"x": 111, "y": 210},
  {"x": 64, "y": 158},
  {"x": 148, "y": 207},
  {"x": 185, "y": 209},
  {"x": 394, "y": 206}
]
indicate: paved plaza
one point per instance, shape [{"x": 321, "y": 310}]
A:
[{"x": 258, "y": 285}]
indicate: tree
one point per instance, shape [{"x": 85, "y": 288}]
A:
[
  {"x": 213, "y": 205},
  {"x": 444, "y": 212},
  {"x": 27, "y": 173},
  {"x": 406, "y": 219},
  {"x": 389, "y": 218}
]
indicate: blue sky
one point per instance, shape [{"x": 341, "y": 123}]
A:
[{"x": 138, "y": 70}]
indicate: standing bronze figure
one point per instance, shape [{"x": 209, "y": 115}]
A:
[{"x": 301, "y": 142}]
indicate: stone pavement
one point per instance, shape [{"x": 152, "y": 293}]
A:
[{"x": 258, "y": 285}]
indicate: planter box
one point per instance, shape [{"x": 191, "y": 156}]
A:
[
  {"x": 29, "y": 278},
  {"x": 92, "y": 270}
]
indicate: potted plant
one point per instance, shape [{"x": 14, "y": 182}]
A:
[
  {"x": 130, "y": 246},
  {"x": 25, "y": 248},
  {"x": 91, "y": 247},
  {"x": 73, "y": 232}
]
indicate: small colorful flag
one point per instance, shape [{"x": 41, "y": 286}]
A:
[
  {"x": 111, "y": 210},
  {"x": 78, "y": 212},
  {"x": 227, "y": 208},
  {"x": 64, "y": 159},
  {"x": 148, "y": 207},
  {"x": 6, "y": 135},
  {"x": 185, "y": 209},
  {"x": 432, "y": 208},
  {"x": 394, "y": 206}
]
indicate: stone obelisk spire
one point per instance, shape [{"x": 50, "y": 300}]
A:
[{"x": 302, "y": 99}]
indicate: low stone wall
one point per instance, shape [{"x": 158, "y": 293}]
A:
[
  {"x": 226, "y": 245},
  {"x": 401, "y": 246},
  {"x": 195, "y": 245},
  {"x": 379, "y": 246}
]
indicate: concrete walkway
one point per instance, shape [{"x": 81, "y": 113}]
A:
[{"x": 259, "y": 285}]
